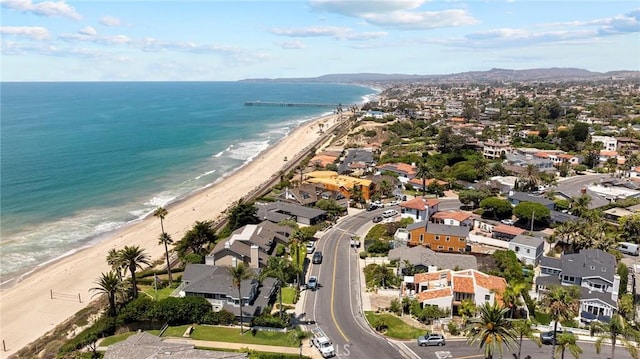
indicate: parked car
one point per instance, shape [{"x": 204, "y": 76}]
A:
[
  {"x": 377, "y": 219},
  {"x": 389, "y": 213},
  {"x": 393, "y": 203},
  {"x": 317, "y": 257},
  {"x": 431, "y": 339},
  {"x": 547, "y": 337},
  {"x": 507, "y": 221},
  {"x": 374, "y": 206},
  {"x": 312, "y": 283},
  {"x": 310, "y": 247}
]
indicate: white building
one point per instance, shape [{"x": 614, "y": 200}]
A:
[
  {"x": 528, "y": 249},
  {"x": 608, "y": 143}
]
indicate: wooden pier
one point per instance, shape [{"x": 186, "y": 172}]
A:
[{"x": 294, "y": 104}]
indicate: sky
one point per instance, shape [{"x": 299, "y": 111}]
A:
[{"x": 210, "y": 40}]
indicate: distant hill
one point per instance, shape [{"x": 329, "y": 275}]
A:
[{"x": 493, "y": 75}]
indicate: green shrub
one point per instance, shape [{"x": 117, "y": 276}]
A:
[
  {"x": 273, "y": 321},
  {"x": 222, "y": 317},
  {"x": 453, "y": 328},
  {"x": 363, "y": 255}
]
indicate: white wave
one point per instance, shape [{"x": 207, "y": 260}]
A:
[
  {"x": 222, "y": 152},
  {"x": 247, "y": 151},
  {"x": 205, "y": 174}
]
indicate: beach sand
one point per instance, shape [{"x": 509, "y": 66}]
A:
[{"x": 27, "y": 310}]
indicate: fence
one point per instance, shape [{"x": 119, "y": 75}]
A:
[{"x": 65, "y": 296}]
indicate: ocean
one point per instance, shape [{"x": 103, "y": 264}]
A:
[{"x": 80, "y": 160}]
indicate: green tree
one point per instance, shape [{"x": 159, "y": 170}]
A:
[
  {"x": 115, "y": 261},
  {"x": 522, "y": 328},
  {"x": 196, "y": 238},
  {"x": 629, "y": 228},
  {"x": 298, "y": 252},
  {"x": 467, "y": 309},
  {"x": 240, "y": 215},
  {"x": 580, "y": 131},
  {"x": 108, "y": 284},
  {"x": 276, "y": 268},
  {"x": 533, "y": 212},
  {"x": 498, "y": 208},
  {"x": 134, "y": 257},
  {"x": 617, "y": 329},
  {"x": 423, "y": 172},
  {"x": 568, "y": 341},
  {"x": 512, "y": 295},
  {"x": 165, "y": 239},
  {"x": 580, "y": 204},
  {"x": 239, "y": 274},
  {"x": 473, "y": 197},
  {"x": 529, "y": 180},
  {"x": 561, "y": 303},
  {"x": 490, "y": 330}
]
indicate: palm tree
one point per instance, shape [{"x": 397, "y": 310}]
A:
[
  {"x": 512, "y": 296},
  {"x": 161, "y": 212},
  {"x": 134, "y": 257},
  {"x": 580, "y": 204},
  {"x": 617, "y": 328},
  {"x": 530, "y": 179},
  {"x": 165, "y": 239},
  {"x": 568, "y": 341},
  {"x": 109, "y": 284},
  {"x": 490, "y": 330},
  {"x": 298, "y": 252},
  {"x": 561, "y": 303},
  {"x": 115, "y": 261},
  {"x": 276, "y": 268},
  {"x": 522, "y": 327},
  {"x": 424, "y": 172},
  {"x": 239, "y": 274}
]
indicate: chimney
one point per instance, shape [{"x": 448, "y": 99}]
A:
[
  {"x": 254, "y": 257},
  {"x": 616, "y": 288}
]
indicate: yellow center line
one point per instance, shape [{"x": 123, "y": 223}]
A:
[{"x": 333, "y": 289}]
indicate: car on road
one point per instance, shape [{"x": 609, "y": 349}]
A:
[
  {"x": 431, "y": 339},
  {"x": 393, "y": 203},
  {"x": 547, "y": 337},
  {"x": 312, "y": 283},
  {"x": 310, "y": 247},
  {"x": 508, "y": 221},
  {"x": 389, "y": 213},
  {"x": 377, "y": 219},
  {"x": 375, "y": 205},
  {"x": 317, "y": 257}
]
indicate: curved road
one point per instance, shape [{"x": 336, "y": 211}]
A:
[{"x": 336, "y": 305}]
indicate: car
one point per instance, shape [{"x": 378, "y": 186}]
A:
[
  {"x": 377, "y": 219},
  {"x": 507, "y": 221},
  {"x": 310, "y": 247},
  {"x": 374, "y": 206},
  {"x": 312, "y": 283},
  {"x": 393, "y": 203},
  {"x": 431, "y": 339},
  {"x": 547, "y": 337},
  {"x": 317, "y": 257},
  {"x": 389, "y": 213}
]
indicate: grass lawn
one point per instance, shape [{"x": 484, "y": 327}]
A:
[
  {"x": 289, "y": 295},
  {"x": 115, "y": 339},
  {"x": 162, "y": 293},
  {"x": 543, "y": 318},
  {"x": 396, "y": 327},
  {"x": 232, "y": 335}
]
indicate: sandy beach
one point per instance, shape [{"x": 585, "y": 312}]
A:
[{"x": 27, "y": 309}]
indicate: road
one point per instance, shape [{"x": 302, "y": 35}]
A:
[{"x": 336, "y": 305}]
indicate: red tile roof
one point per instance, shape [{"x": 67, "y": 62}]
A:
[
  {"x": 419, "y": 203},
  {"x": 434, "y": 294},
  {"x": 463, "y": 284},
  {"x": 503, "y": 228},
  {"x": 456, "y": 215}
]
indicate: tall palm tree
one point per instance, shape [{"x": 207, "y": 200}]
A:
[
  {"x": 423, "y": 172},
  {"x": 568, "y": 341},
  {"x": 512, "y": 296},
  {"x": 580, "y": 204},
  {"x": 529, "y": 179},
  {"x": 298, "y": 252},
  {"x": 490, "y": 330},
  {"x": 109, "y": 284},
  {"x": 134, "y": 257},
  {"x": 115, "y": 261},
  {"x": 561, "y": 303},
  {"x": 276, "y": 268},
  {"x": 617, "y": 329},
  {"x": 165, "y": 239},
  {"x": 522, "y": 327},
  {"x": 239, "y": 274}
]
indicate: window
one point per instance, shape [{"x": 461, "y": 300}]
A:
[
  {"x": 451, "y": 249},
  {"x": 440, "y": 247},
  {"x": 487, "y": 297},
  {"x": 461, "y": 239},
  {"x": 593, "y": 267},
  {"x": 437, "y": 238},
  {"x": 528, "y": 250},
  {"x": 517, "y": 249},
  {"x": 447, "y": 239},
  {"x": 421, "y": 238}
]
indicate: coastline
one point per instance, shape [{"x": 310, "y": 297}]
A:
[{"x": 27, "y": 308}]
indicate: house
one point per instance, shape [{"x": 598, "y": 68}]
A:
[
  {"x": 453, "y": 218},
  {"x": 332, "y": 181},
  {"x": 419, "y": 208},
  {"x": 279, "y": 211},
  {"x": 356, "y": 159},
  {"x": 144, "y": 345},
  {"x": 425, "y": 260},
  {"x": 447, "y": 289},
  {"x": 308, "y": 194},
  {"x": 416, "y": 183},
  {"x": 506, "y": 232},
  {"x": 438, "y": 237},
  {"x": 404, "y": 171},
  {"x": 608, "y": 143},
  {"x": 522, "y": 161},
  {"x": 594, "y": 271},
  {"x": 215, "y": 284},
  {"x": 614, "y": 214},
  {"x": 251, "y": 244},
  {"x": 528, "y": 249},
  {"x": 494, "y": 150},
  {"x": 516, "y": 198}
]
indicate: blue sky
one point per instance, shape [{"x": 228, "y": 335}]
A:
[{"x": 210, "y": 40}]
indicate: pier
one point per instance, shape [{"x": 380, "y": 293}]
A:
[{"x": 294, "y": 104}]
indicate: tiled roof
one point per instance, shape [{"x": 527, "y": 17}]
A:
[
  {"x": 431, "y": 276},
  {"x": 496, "y": 284},
  {"x": 503, "y": 228},
  {"x": 415, "y": 203},
  {"x": 456, "y": 215},
  {"x": 463, "y": 284},
  {"x": 434, "y": 294}
]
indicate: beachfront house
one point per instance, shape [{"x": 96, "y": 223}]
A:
[{"x": 279, "y": 211}]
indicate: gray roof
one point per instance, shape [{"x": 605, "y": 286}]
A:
[
  {"x": 589, "y": 263},
  {"x": 147, "y": 346},
  {"x": 458, "y": 231},
  {"x": 528, "y": 241},
  {"x": 547, "y": 280},
  {"x": 287, "y": 210},
  {"x": 416, "y": 225},
  {"x": 420, "y": 255},
  {"x": 355, "y": 155},
  {"x": 550, "y": 262},
  {"x": 586, "y": 294},
  {"x": 560, "y": 217},
  {"x": 210, "y": 279},
  {"x": 527, "y": 197}
]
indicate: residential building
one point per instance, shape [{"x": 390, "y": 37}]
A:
[
  {"x": 522, "y": 161},
  {"x": 416, "y": 183},
  {"x": 215, "y": 284},
  {"x": 357, "y": 159},
  {"x": 453, "y": 218},
  {"x": 506, "y": 232},
  {"x": 419, "y": 208},
  {"x": 495, "y": 150},
  {"x": 528, "y": 249},
  {"x": 516, "y": 198},
  {"x": 279, "y": 211},
  {"x": 438, "y": 237},
  {"x": 404, "y": 171},
  {"x": 425, "y": 260},
  {"x": 594, "y": 271},
  {"x": 608, "y": 143},
  {"x": 332, "y": 181}
]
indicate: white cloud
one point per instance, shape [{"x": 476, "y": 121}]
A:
[
  {"x": 44, "y": 8},
  {"x": 291, "y": 45},
  {"x": 108, "y": 20},
  {"x": 402, "y": 15},
  {"x": 339, "y": 33},
  {"x": 32, "y": 32},
  {"x": 87, "y": 30}
]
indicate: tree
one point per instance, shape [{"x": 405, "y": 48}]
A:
[
  {"x": 561, "y": 303},
  {"x": 568, "y": 341},
  {"x": 298, "y": 252},
  {"x": 240, "y": 215},
  {"x": 498, "y": 208},
  {"x": 528, "y": 181},
  {"x": 532, "y": 211},
  {"x": 512, "y": 295},
  {"x": 134, "y": 257},
  {"x": 239, "y": 274},
  {"x": 472, "y": 196},
  {"x": 109, "y": 284},
  {"x": 580, "y": 131},
  {"x": 165, "y": 239},
  {"x": 490, "y": 330},
  {"x": 115, "y": 261},
  {"x": 423, "y": 172},
  {"x": 629, "y": 228},
  {"x": 276, "y": 268},
  {"x": 522, "y": 327},
  {"x": 617, "y": 328},
  {"x": 467, "y": 309},
  {"x": 580, "y": 204},
  {"x": 201, "y": 234}
]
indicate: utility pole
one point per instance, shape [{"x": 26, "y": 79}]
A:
[{"x": 533, "y": 216}]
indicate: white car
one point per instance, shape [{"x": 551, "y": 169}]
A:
[
  {"x": 507, "y": 221},
  {"x": 310, "y": 247}
]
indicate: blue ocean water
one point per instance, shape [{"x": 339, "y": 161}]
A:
[{"x": 78, "y": 160}]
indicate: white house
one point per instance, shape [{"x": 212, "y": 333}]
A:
[
  {"x": 453, "y": 218},
  {"x": 419, "y": 208},
  {"x": 608, "y": 143},
  {"x": 528, "y": 249}
]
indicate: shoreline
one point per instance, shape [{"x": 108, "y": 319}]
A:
[{"x": 26, "y": 307}]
